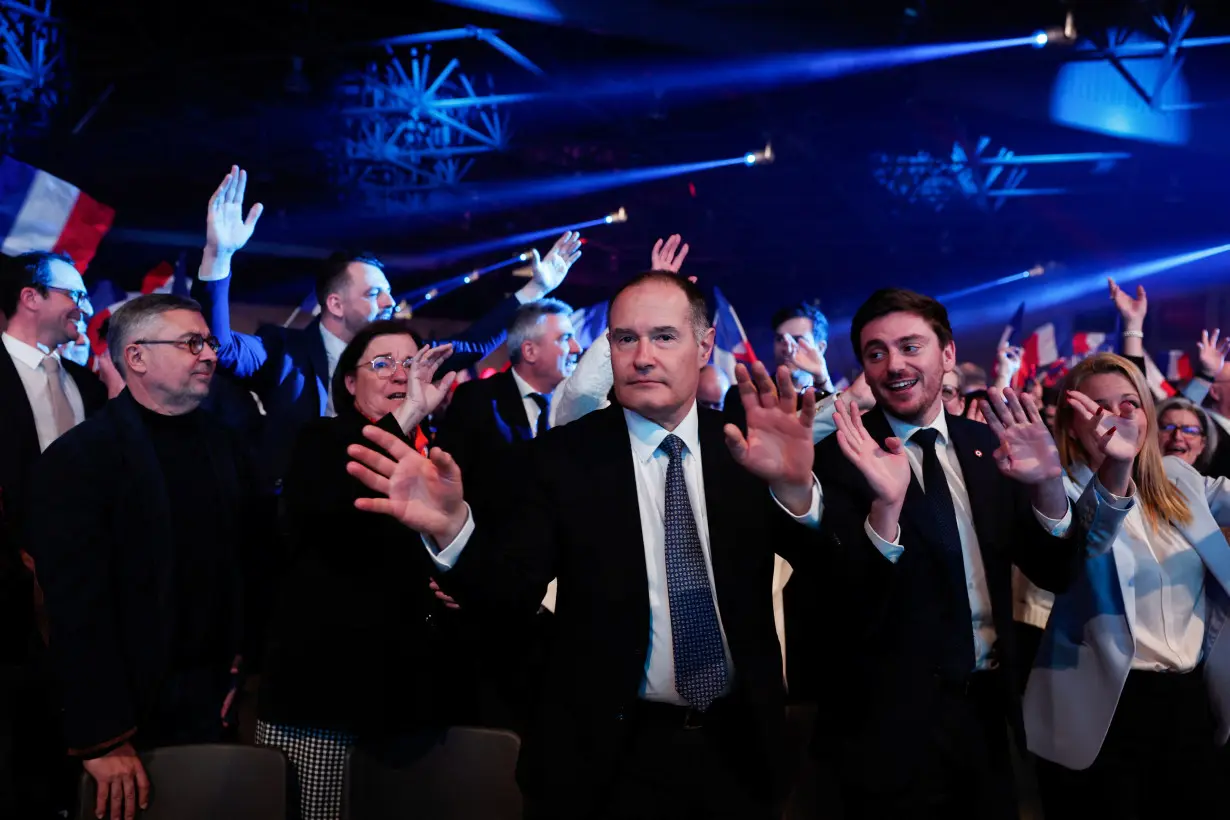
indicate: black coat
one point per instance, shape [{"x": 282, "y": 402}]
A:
[
  {"x": 353, "y": 643},
  {"x": 573, "y": 514},
  {"x": 108, "y": 566}
]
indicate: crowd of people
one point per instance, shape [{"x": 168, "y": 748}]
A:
[{"x": 631, "y": 562}]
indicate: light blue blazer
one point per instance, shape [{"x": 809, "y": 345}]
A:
[{"x": 1088, "y": 647}]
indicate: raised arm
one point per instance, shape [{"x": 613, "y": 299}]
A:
[{"x": 226, "y": 232}]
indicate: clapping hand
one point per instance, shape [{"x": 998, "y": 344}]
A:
[
  {"x": 668, "y": 255},
  {"x": 778, "y": 447},
  {"x": 423, "y": 395},
  {"x": 226, "y": 230},
  {"x": 887, "y": 468},
  {"x": 1027, "y": 452},
  {"x": 1212, "y": 352},
  {"x": 423, "y": 493},
  {"x": 1104, "y": 435},
  {"x": 549, "y": 271},
  {"x": 803, "y": 354}
]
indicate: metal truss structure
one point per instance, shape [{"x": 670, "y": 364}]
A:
[
  {"x": 32, "y": 61},
  {"x": 986, "y": 180},
  {"x": 413, "y": 126},
  {"x": 1164, "y": 39}
]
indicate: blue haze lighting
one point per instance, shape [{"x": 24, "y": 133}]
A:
[{"x": 995, "y": 283}]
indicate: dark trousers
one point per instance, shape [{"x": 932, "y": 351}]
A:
[
  {"x": 667, "y": 771},
  {"x": 964, "y": 771},
  {"x": 36, "y": 777},
  {"x": 1158, "y": 758}
]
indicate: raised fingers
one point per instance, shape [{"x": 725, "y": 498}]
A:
[{"x": 787, "y": 399}]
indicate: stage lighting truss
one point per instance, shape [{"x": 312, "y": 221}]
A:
[
  {"x": 1164, "y": 38},
  {"x": 31, "y": 68},
  {"x": 981, "y": 178},
  {"x": 414, "y": 122}
]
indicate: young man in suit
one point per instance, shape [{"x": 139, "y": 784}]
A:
[
  {"x": 42, "y": 396},
  {"x": 290, "y": 369},
  {"x": 142, "y": 575},
  {"x": 487, "y": 415},
  {"x": 661, "y": 695},
  {"x": 927, "y": 513}
]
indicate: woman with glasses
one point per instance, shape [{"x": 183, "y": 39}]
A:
[
  {"x": 351, "y": 648},
  {"x": 1129, "y": 696},
  {"x": 1185, "y": 430}
]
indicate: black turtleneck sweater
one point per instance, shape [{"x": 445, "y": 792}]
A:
[{"x": 202, "y": 614}]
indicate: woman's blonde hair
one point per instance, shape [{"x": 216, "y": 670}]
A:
[{"x": 1160, "y": 500}]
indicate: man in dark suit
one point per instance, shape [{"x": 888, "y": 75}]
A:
[
  {"x": 142, "y": 575},
  {"x": 926, "y": 513},
  {"x": 487, "y": 415},
  {"x": 290, "y": 369},
  {"x": 42, "y": 396},
  {"x": 662, "y": 694}
]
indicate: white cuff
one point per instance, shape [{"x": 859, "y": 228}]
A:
[
  {"x": 892, "y": 550},
  {"x": 447, "y": 557},
  {"x": 1057, "y": 527},
  {"x": 811, "y": 518},
  {"x": 529, "y": 293}
]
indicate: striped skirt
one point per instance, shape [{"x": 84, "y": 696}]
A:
[{"x": 317, "y": 763}]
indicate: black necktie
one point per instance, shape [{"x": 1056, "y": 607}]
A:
[
  {"x": 957, "y": 643},
  {"x": 544, "y": 413}
]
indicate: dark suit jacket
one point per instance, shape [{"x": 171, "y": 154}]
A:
[
  {"x": 483, "y": 419},
  {"x": 573, "y": 514},
  {"x": 289, "y": 369},
  {"x": 891, "y": 647},
  {"x": 353, "y": 638},
  {"x": 19, "y": 637},
  {"x": 19, "y": 437},
  {"x": 107, "y": 565}
]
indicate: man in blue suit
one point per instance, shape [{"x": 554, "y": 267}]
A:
[{"x": 289, "y": 369}]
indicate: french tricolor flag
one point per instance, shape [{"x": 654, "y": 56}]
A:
[
  {"x": 730, "y": 343},
  {"x": 39, "y": 212}
]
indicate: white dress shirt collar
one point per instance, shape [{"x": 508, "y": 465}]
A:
[
  {"x": 904, "y": 429},
  {"x": 27, "y": 354},
  {"x": 524, "y": 389},
  {"x": 334, "y": 347},
  {"x": 647, "y": 436}
]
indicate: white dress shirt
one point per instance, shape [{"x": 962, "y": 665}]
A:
[
  {"x": 532, "y": 409},
  {"x": 975, "y": 572},
  {"x": 650, "y": 465},
  {"x": 1169, "y": 582},
  {"x": 334, "y": 348},
  {"x": 29, "y": 363}
]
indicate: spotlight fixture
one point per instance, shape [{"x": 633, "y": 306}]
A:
[
  {"x": 1057, "y": 35},
  {"x": 763, "y": 157},
  {"x": 431, "y": 294},
  {"x": 470, "y": 277},
  {"x": 619, "y": 216},
  {"x": 1036, "y": 270}
]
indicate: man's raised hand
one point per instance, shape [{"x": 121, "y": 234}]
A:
[
  {"x": 887, "y": 468},
  {"x": 668, "y": 254},
  {"x": 226, "y": 229}
]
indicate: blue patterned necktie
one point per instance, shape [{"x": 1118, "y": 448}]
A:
[{"x": 700, "y": 660}]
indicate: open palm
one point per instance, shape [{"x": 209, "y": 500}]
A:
[
  {"x": 423, "y": 395},
  {"x": 549, "y": 271},
  {"x": 778, "y": 447},
  {"x": 886, "y": 469},
  {"x": 1129, "y": 308},
  {"x": 1027, "y": 451},
  {"x": 425, "y": 494},
  {"x": 226, "y": 229}
]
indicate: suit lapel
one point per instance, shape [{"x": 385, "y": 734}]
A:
[
  {"x": 510, "y": 408},
  {"x": 617, "y": 506},
  {"x": 315, "y": 343},
  {"x": 981, "y": 476},
  {"x": 16, "y": 402}
]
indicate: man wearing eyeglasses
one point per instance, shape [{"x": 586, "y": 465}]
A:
[
  {"x": 142, "y": 575},
  {"x": 42, "y": 396}
]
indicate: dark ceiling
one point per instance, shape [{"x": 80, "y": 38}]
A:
[{"x": 188, "y": 89}]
